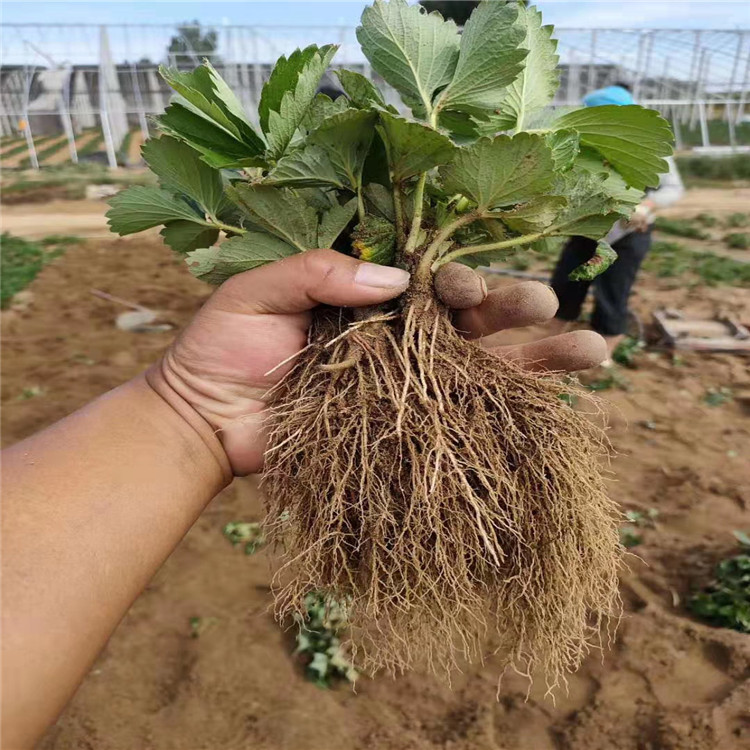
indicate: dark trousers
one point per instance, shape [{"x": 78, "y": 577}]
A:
[{"x": 611, "y": 289}]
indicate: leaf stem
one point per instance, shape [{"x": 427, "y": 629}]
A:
[
  {"x": 225, "y": 227},
  {"x": 398, "y": 209},
  {"x": 360, "y": 200},
  {"x": 416, "y": 222},
  {"x": 525, "y": 239}
]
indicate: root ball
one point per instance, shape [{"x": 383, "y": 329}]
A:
[{"x": 450, "y": 498}]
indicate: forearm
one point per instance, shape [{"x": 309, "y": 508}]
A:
[{"x": 92, "y": 507}]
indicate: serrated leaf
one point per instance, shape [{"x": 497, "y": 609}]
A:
[
  {"x": 537, "y": 83},
  {"x": 604, "y": 256},
  {"x": 309, "y": 166},
  {"x": 534, "y": 216},
  {"x": 180, "y": 170},
  {"x": 346, "y": 139},
  {"x": 334, "y": 221},
  {"x": 609, "y": 181},
  {"x": 565, "y": 145},
  {"x": 361, "y": 91},
  {"x": 287, "y": 94},
  {"x": 412, "y": 147},
  {"x": 500, "y": 171},
  {"x": 278, "y": 211},
  {"x": 631, "y": 138},
  {"x": 490, "y": 59},
  {"x": 374, "y": 240},
  {"x": 321, "y": 108},
  {"x": 414, "y": 51},
  {"x": 184, "y": 236},
  {"x": 590, "y": 212},
  {"x": 218, "y": 147},
  {"x": 207, "y": 94},
  {"x": 251, "y": 250},
  {"x": 141, "y": 207}
]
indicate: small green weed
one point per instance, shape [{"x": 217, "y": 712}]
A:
[
  {"x": 717, "y": 396},
  {"x": 30, "y": 392},
  {"x": 629, "y": 536},
  {"x": 738, "y": 219},
  {"x": 680, "y": 227},
  {"x": 613, "y": 379},
  {"x": 249, "y": 534},
  {"x": 319, "y": 640},
  {"x": 726, "y": 600},
  {"x": 738, "y": 240},
  {"x": 21, "y": 260},
  {"x": 626, "y": 351},
  {"x": 706, "y": 220},
  {"x": 199, "y": 625}
]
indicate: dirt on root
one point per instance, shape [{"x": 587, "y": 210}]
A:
[{"x": 669, "y": 682}]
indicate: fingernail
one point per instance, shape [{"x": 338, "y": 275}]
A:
[{"x": 383, "y": 277}]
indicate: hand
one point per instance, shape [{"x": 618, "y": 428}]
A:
[
  {"x": 219, "y": 365},
  {"x": 641, "y": 217}
]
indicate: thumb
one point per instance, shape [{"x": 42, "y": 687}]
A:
[{"x": 303, "y": 281}]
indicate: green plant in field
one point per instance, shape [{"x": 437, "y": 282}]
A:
[
  {"x": 738, "y": 219},
  {"x": 249, "y": 534},
  {"x": 738, "y": 240},
  {"x": 707, "y": 220},
  {"x": 680, "y": 227},
  {"x": 717, "y": 396},
  {"x": 626, "y": 351},
  {"x": 31, "y": 392},
  {"x": 726, "y": 600},
  {"x": 613, "y": 379},
  {"x": 319, "y": 640},
  {"x": 714, "y": 169},
  {"x": 21, "y": 260},
  {"x": 199, "y": 625},
  {"x": 629, "y": 534},
  {"x": 668, "y": 259}
]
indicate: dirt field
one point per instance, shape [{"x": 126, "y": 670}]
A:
[{"x": 668, "y": 683}]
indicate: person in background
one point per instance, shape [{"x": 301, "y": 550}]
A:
[{"x": 630, "y": 239}]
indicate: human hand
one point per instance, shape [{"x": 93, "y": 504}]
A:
[
  {"x": 224, "y": 363},
  {"x": 641, "y": 217}
]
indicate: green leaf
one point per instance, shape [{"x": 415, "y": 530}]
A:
[
  {"x": 632, "y": 139},
  {"x": 414, "y": 51},
  {"x": 140, "y": 207},
  {"x": 180, "y": 170},
  {"x": 603, "y": 257},
  {"x": 535, "y": 87},
  {"x": 500, "y": 171},
  {"x": 380, "y": 198},
  {"x": 565, "y": 146},
  {"x": 609, "y": 181},
  {"x": 346, "y": 139},
  {"x": 412, "y": 147},
  {"x": 309, "y": 166},
  {"x": 321, "y": 108},
  {"x": 251, "y": 250},
  {"x": 590, "y": 212},
  {"x": 280, "y": 212},
  {"x": 288, "y": 93},
  {"x": 534, "y": 216},
  {"x": 334, "y": 221},
  {"x": 361, "y": 91},
  {"x": 218, "y": 147},
  {"x": 183, "y": 236},
  {"x": 205, "y": 93},
  {"x": 490, "y": 59},
  {"x": 374, "y": 240}
]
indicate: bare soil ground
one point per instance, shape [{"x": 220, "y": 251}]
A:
[{"x": 668, "y": 682}]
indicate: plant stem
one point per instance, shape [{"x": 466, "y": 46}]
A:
[
  {"x": 226, "y": 227},
  {"x": 360, "y": 200},
  {"x": 398, "y": 210},
  {"x": 416, "y": 222},
  {"x": 525, "y": 239}
]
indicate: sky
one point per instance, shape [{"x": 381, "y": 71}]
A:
[{"x": 726, "y": 14}]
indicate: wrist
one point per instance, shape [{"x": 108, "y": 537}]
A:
[{"x": 201, "y": 437}]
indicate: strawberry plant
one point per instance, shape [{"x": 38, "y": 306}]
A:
[{"x": 438, "y": 490}]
